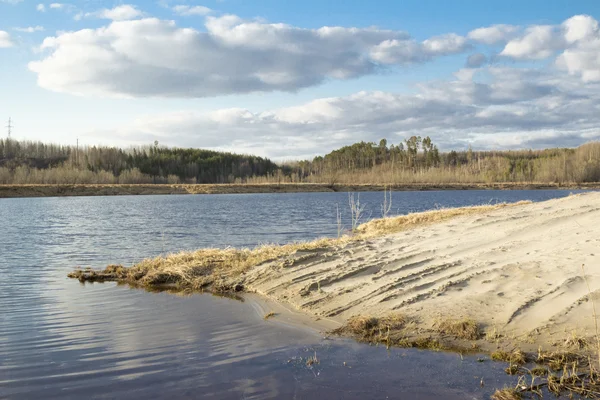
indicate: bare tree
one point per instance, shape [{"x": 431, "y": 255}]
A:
[
  {"x": 338, "y": 214},
  {"x": 356, "y": 210},
  {"x": 386, "y": 207}
]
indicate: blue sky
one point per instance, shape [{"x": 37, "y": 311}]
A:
[{"x": 266, "y": 77}]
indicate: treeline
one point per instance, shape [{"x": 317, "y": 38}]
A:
[
  {"x": 414, "y": 160},
  {"x": 418, "y": 160},
  {"x": 23, "y": 162}
]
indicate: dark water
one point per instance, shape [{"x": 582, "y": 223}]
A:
[{"x": 61, "y": 339}]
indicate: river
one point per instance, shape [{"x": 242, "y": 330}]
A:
[{"x": 62, "y": 339}]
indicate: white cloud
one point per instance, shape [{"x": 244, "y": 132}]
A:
[
  {"x": 5, "y": 40},
  {"x": 119, "y": 13},
  {"x": 151, "y": 57},
  {"x": 582, "y": 57},
  {"x": 582, "y": 60},
  {"x": 580, "y": 27},
  {"x": 575, "y": 43},
  {"x": 30, "y": 29},
  {"x": 64, "y": 7},
  {"x": 516, "y": 108},
  {"x": 450, "y": 43},
  {"x": 543, "y": 41},
  {"x": 11, "y": 1},
  {"x": 538, "y": 42},
  {"x": 493, "y": 34},
  {"x": 191, "y": 10}
]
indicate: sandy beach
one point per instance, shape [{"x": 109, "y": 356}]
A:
[{"x": 516, "y": 271}]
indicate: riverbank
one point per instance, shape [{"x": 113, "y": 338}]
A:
[
  {"x": 515, "y": 270},
  {"x": 15, "y": 191},
  {"x": 506, "y": 280}
]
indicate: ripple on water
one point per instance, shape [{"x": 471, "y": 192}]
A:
[{"x": 61, "y": 339}]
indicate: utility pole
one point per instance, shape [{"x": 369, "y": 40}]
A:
[{"x": 9, "y": 127}]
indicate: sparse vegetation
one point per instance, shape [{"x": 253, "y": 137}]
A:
[
  {"x": 403, "y": 222},
  {"x": 539, "y": 371},
  {"x": 515, "y": 357},
  {"x": 462, "y": 329},
  {"x": 356, "y": 210},
  {"x": 386, "y": 206},
  {"x": 374, "y": 329},
  {"x": 268, "y": 315},
  {"x": 312, "y": 360},
  {"x": 507, "y": 394}
]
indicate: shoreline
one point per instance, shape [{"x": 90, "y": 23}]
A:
[
  {"x": 515, "y": 281},
  {"x": 68, "y": 190},
  {"x": 514, "y": 270}
]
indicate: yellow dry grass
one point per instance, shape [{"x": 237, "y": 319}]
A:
[
  {"x": 507, "y": 394},
  {"x": 208, "y": 267},
  {"x": 396, "y": 224},
  {"x": 219, "y": 268},
  {"x": 462, "y": 329}
]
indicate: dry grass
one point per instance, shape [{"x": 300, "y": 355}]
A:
[
  {"x": 215, "y": 268},
  {"x": 268, "y": 315},
  {"x": 461, "y": 329},
  {"x": 515, "y": 357},
  {"x": 579, "y": 342},
  {"x": 391, "y": 330},
  {"x": 507, "y": 394},
  {"x": 312, "y": 360},
  {"x": 557, "y": 361},
  {"x": 373, "y": 329},
  {"x": 396, "y": 224},
  {"x": 539, "y": 371},
  {"x": 512, "y": 369}
]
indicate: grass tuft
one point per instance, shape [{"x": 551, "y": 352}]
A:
[
  {"x": 270, "y": 314},
  {"x": 374, "y": 329},
  {"x": 462, "y": 329},
  {"x": 507, "y": 394},
  {"x": 516, "y": 357},
  {"x": 539, "y": 371}
]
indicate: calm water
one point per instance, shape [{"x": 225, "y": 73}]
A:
[{"x": 61, "y": 339}]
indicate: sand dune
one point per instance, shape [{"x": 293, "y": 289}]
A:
[{"x": 517, "y": 270}]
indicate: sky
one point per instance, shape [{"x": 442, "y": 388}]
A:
[{"x": 294, "y": 79}]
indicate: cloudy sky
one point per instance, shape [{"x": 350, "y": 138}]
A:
[{"x": 292, "y": 79}]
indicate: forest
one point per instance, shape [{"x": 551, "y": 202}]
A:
[
  {"x": 413, "y": 160},
  {"x": 23, "y": 162}
]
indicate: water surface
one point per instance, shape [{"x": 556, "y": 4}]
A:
[{"x": 62, "y": 339}]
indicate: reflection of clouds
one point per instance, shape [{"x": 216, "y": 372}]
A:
[
  {"x": 59, "y": 338},
  {"x": 56, "y": 332}
]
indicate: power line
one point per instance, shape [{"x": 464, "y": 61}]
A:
[{"x": 9, "y": 127}]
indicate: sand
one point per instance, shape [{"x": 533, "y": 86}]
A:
[{"x": 517, "y": 271}]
